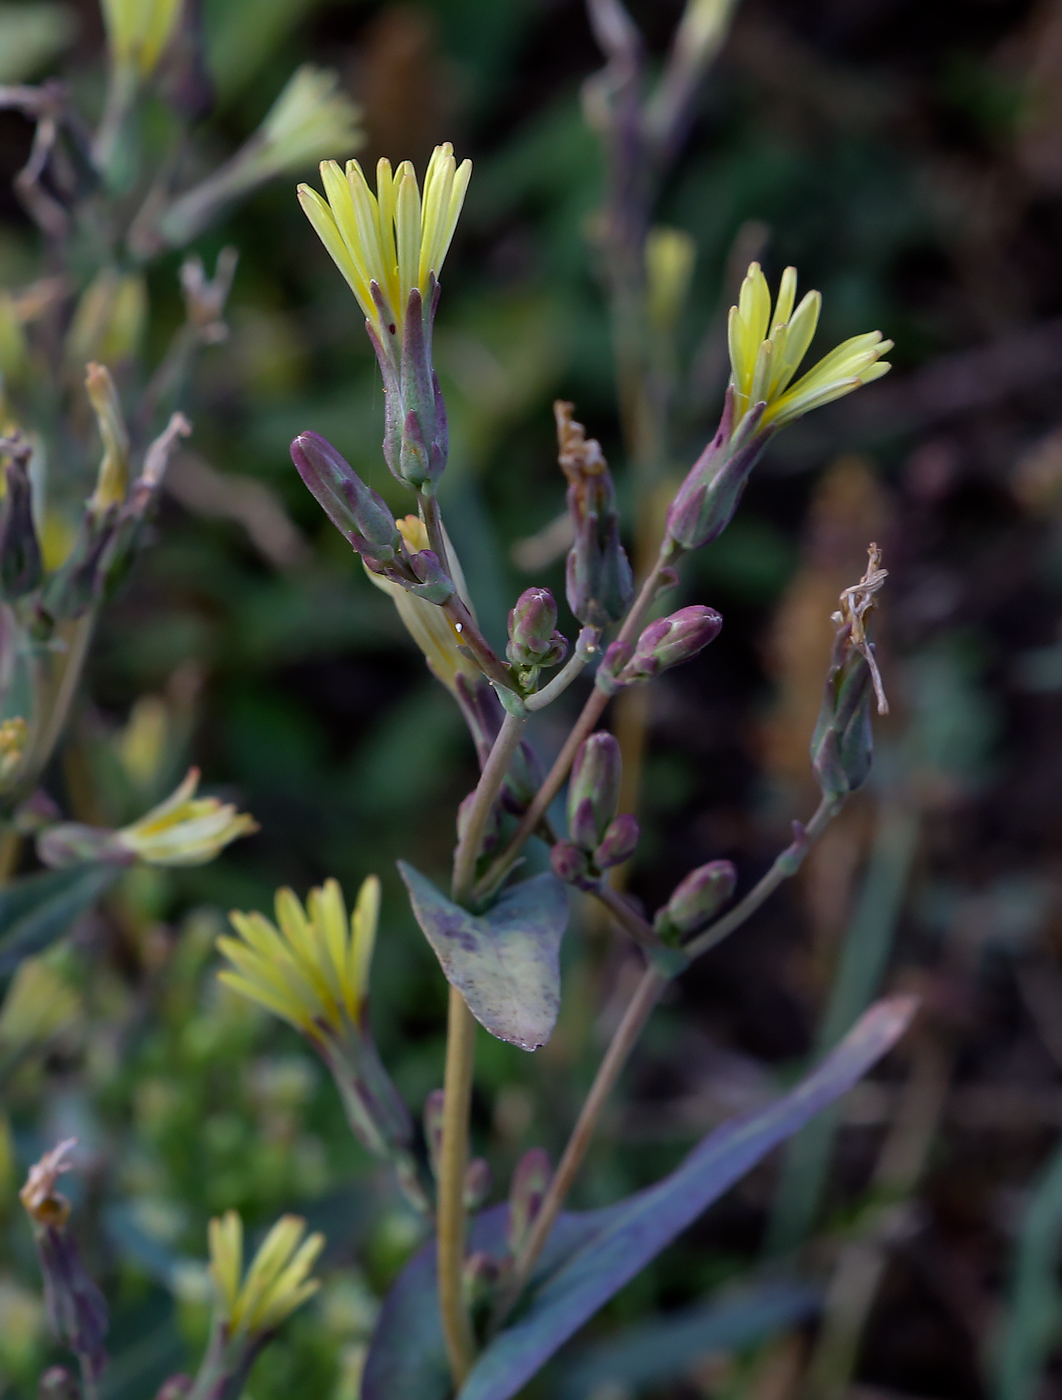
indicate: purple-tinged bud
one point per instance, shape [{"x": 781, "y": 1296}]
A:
[
  {"x": 612, "y": 663},
  {"x": 528, "y": 1188},
  {"x": 696, "y": 900},
  {"x": 533, "y": 638},
  {"x": 478, "y": 1181},
  {"x": 72, "y": 843},
  {"x": 598, "y": 578},
  {"x": 619, "y": 843},
  {"x": 571, "y": 864},
  {"x": 58, "y": 1383},
  {"x": 175, "y": 1387},
  {"x": 434, "y": 1107},
  {"x": 21, "y": 569},
  {"x": 358, "y": 513},
  {"x": 707, "y": 499},
  {"x": 434, "y": 584},
  {"x": 671, "y": 640},
  {"x": 593, "y": 790}
]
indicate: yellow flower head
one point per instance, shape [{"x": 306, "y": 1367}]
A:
[
  {"x": 393, "y": 238},
  {"x": 311, "y": 967},
  {"x": 426, "y": 622},
  {"x": 766, "y": 351},
  {"x": 113, "y": 477},
  {"x": 139, "y": 30},
  {"x": 38, "y": 1005},
  {"x": 185, "y": 830},
  {"x": 278, "y": 1280}
]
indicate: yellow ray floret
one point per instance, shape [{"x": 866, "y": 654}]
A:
[
  {"x": 393, "y": 237},
  {"x": 185, "y": 829},
  {"x": 311, "y": 967},
  {"x": 278, "y": 1280},
  {"x": 766, "y": 351}
]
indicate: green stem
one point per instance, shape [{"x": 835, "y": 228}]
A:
[
  {"x": 623, "y": 1042},
  {"x": 784, "y": 866},
  {"x": 490, "y": 781},
  {"x": 453, "y": 1163},
  {"x": 457, "y": 1084}
]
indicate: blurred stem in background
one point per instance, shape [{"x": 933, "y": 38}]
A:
[
  {"x": 861, "y": 963},
  {"x": 647, "y": 272}
]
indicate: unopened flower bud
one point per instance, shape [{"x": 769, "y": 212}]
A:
[
  {"x": 612, "y": 663},
  {"x": 619, "y": 843},
  {"x": 671, "y": 640},
  {"x": 434, "y": 583},
  {"x": 20, "y": 554},
  {"x": 697, "y": 900},
  {"x": 434, "y": 1107},
  {"x": 175, "y": 1387},
  {"x": 707, "y": 499},
  {"x": 571, "y": 864},
  {"x": 593, "y": 791},
  {"x": 530, "y": 1183},
  {"x": 58, "y": 1383},
  {"x": 360, "y": 515},
  {"x": 533, "y": 636},
  {"x": 478, "y": 1181}
]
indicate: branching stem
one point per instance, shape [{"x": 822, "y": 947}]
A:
[
  {"x": 623, "y": 1041},
  {"x": 583, "y": 727}
]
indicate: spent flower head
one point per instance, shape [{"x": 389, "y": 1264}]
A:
[
  {"x": 312, "y": 966},
  {"x": 277, "y": 1282},
  {"x": 766, "y": 350},
  {"x": 395, "y": 238}
]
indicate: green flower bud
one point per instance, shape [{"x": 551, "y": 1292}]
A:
[
  {"x": 696, "y": 900},
  {"x": 593, "y": 791}
]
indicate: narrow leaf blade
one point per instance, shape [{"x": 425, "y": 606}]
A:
[
  {"x": 591, "y": 1255},
  {"x": 36, "y": 910},
  {"x": 649, "y": 1221}
]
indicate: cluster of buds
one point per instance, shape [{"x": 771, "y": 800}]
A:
[
  {"x": 598, "y": 838},
  {"x": 76, "y": 1308},
  {"x": 598, "y": 577},
  {"x": 311, "y": 967},
  {"x": 534, "y": 642},
  {"x": 765, "y": 353},
  {"x": 183, "y": 830},
  {"x": 695, "y": 902},
  {"x": 842, "y": 746},
  {"x": 664, "y": 643},
  {"x": 390, "y": 247}
]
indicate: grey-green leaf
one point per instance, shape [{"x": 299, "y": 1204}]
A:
[
  {"x": 505, "y": 963},
  {"x": 591, "y": 1256},
  {"x": 36, "y": 910}
]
